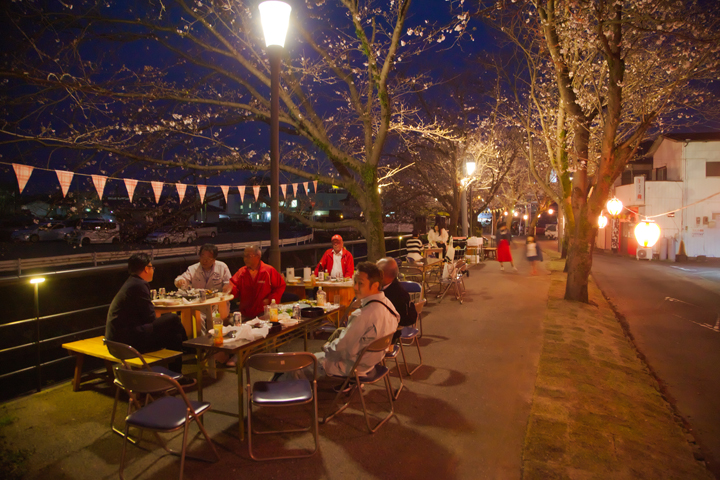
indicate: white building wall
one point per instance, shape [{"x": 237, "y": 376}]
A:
[
  {"x": 701, "y": 234},
  {"x": 669, "y": 154}
]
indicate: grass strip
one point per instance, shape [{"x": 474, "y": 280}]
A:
[{"x": 596, "y": 411}]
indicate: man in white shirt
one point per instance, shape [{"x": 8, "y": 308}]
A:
[
  {"x": 208, "y": 274},
  {"x": 376, "y": 318}
]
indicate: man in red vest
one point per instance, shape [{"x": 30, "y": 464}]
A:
[
  {"x": 337, "y": 261},
  {"x": 257, "y": 284}
]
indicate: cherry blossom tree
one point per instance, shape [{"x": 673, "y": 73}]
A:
[{"x": 167, "y": 85}]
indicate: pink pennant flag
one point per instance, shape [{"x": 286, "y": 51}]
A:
[
  {"x": 22, "y": 172},
  {"x": 157, "y": 188},
  {"x": 65, "y": 178},
  {"x": 305, "y": 184},
  {"x": 225, "y": 189},
  {"x": 99, "y": 181},
  {"x": 201, "y": 191},
  {"x": 315, "y": 185},
  {"x": 241, "y": 191},
  {"x": 130, "y": 184},
  {"x": 294, "y": 185},
  {"x": 269, "y": 191},
  {"x": 283, "y": 187},
  {"x": 256, "y": 191},
  {"x": 181, "y": 187}
]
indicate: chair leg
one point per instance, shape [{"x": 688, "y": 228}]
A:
[
  {"x": 124, "y": 448},
  {"x": 332, "y": 413},
  {"x": 184, "y": 446},
  {"x": 402, "y": 382},
  {"x": 388, "y": 390},
  {"x": 402, "y": 350}
]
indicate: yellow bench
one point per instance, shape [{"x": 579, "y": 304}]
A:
[{"x": 95, "y": 348}]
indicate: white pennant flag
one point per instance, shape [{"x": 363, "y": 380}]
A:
[
  {"x": 256, "y": 191},
  {"x": 294, "y": 189},
  {"x": 201, "y": 191},
  {"x": 241, "y": 191},
  {"x": 130, "y": 184},
  {"x": 283, "y": 187},
  {"x": 65, "y": 178},
  {"x": 181, "y": 187},
  {"x": 315, "y": 185},
  {"x": 225, "y": 189},
  {"x": 157, "y": 188},
  {"x": 99, "y": 181},
  {"x": 22, "y": 172},
  {"x": 305, "y": 184}
]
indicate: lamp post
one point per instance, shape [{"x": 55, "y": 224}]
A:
[
  {"x": 36, "y": 283},
  {"x": 469, "y": 170},
  {"x": 275, "y": 17}
]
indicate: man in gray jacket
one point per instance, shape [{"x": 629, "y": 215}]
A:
[{"x": 376, "y": 318}]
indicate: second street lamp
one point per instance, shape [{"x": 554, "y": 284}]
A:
[{"x": 275, "y": 18}]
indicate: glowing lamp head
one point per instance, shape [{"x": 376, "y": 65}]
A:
[
  {"x": 614, "y": 207},
  {"x": 37, "y": 280},
  {"x": 275, "y": 18},
  {"x": 602, "y": 221},
  {"x": 525, "y": 217},
  {"x": 551, "y": 211},
  {"x": 515, "y": 214},
  {"x": 470, "y": 168},
  {"x": 505, "y": 214},
  {"x": 647, "y": 233}
]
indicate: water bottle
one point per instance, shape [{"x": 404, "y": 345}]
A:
[
  {"x": 321, "y": 297},
  {"x": 273, "y": 311},
  {"x": 296, "y": 311}
]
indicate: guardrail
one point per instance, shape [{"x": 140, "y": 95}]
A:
[{"x": 96, "y": 258}]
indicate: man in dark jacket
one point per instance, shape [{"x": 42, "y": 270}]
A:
[
  {"x": 131, "y": 318},
  {"x": 392, "y": 289}
]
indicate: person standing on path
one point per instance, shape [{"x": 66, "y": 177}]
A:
[
  {"x": 533, "y": 253},
  {"x": 503, "y": 247}
]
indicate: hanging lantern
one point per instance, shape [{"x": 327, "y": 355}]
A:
[
  {"x": 647, "y": 233},
  {"x": 614, "y": 207},
  {"x": 602, "y": 221},
  {"x": 551, "y": 211}
]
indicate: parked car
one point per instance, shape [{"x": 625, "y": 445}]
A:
[
  {"x": 204, "y": 229},
  {"x": 551, "y": 231},
  {"x": 95, "y": 230},
  {"x": 170, "y": 235},
  {"x": 44, "y": 232}
]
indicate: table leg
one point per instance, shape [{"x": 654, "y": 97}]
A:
[
  {"x": 79, "y": 360},
  {"x": 200, "y": 361},
  {"x": 241, "y": 357}
]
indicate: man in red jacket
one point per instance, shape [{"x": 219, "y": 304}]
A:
[
  {"x": 257, "y": 284},
  {"x": 337, "y": 261}
]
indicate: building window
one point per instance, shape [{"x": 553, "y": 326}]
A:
[
  {"x": 627, "y": 178},
  {"x": 712, "y": 169},
  {"x": 661, "y": 174}
]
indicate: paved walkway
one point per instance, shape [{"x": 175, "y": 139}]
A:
[{"x": 462, "y": 416}]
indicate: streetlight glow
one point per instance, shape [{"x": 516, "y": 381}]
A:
[
  {"x": 551, "y": 211},
  {"x": 275, "y": 19},
  {"x": 470, "y": 167},
  {"x": 602, "y": 221},
  {"x": 37, "y": 280},
  {"x": 525, "y": 217}
]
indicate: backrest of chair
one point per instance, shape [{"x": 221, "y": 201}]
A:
[
  {"x": 124, "y": 352},
  {"x": 419, "y": 306},
  {"x": 414, "y": 289},
  {"x": 379, "y": 345},
  {"x": 141, "y": 381},
  {"x": 281, "y": 362}
]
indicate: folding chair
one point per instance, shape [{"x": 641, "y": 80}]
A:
[
  {"x": 416, "y": 295},
  {"x": 166, "y": 414},
  {"x": 281, "y": 393},
  {"x": 377, "y": 373},
  {"x": 454, "y": 280},
  {"x": 411, "y": 334},
  {"x": 124, "y": 353},
  {"x": 393, "y": 355}
]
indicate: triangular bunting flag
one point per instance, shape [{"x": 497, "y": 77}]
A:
[
  {"x": 294, "y": 185},
  {"x": 283, "y": 187},
  {"x": 305, "y": 184},
  {"x": 256, "y": 191},
  {"x": 241, "y": 191},
  {"x": 99, "y": 181},
  {"x": 22, "y": 172},
  {"x": 225, "y": 189},
  {"x": 181, "y": 187},
  {"x": 130, "y": 184},
  {"x": 65, "y": 178},
  {"x": 201, "y": 191},
  {"x": 269, "y": 191},
  {"x": 157, "y": 188},
  {"x": 315, "y": 185}
]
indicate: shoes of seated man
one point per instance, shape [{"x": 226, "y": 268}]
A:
[{"x": 348, "y": 388}]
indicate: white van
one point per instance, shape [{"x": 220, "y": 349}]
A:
[
  {"x": 95, "y": 231},
  {"x": 551, "y": 231}
]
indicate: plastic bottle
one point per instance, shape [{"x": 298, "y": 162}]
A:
[
  {"x": 218, "y": 327},
  {"x": 321, "y": 297},
  {"x": 273, "y": 311}
]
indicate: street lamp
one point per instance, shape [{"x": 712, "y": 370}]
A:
[
  {"x": 551, "y": 211},
  {"x": 647, "y": 233},
  {"x": 36, "y": 281},
  {"x": 275, "y": 18}
]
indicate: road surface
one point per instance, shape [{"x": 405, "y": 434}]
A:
[{"x": 672, "y": 310}]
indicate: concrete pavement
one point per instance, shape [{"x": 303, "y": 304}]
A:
[
  {"x": 462, "y": 416},
  {"x": 671, "y": 310}
]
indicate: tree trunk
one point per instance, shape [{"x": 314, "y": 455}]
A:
[
  {"x": 374, "y": 235},
  {"x": 579, "y": 260}
]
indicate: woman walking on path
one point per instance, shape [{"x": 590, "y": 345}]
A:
[
  {"x": 534, "y": 254},
  {"x": 503, "y": 247}
]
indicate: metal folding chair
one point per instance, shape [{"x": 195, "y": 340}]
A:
[
  {"x": 411, "y": 335},
  {"x": 454, "y": 280},
  {"x": 379, "y": 372},
  {"x": 416, "y": 295},
  {"x": 166, "y": 414},
  {"x": 393, "y": 355},
  {"x": 124, "y": 353},
  {"x": 285, "y": 393}
]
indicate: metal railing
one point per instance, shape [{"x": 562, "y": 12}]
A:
[{"x": 47, "y": 345}]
